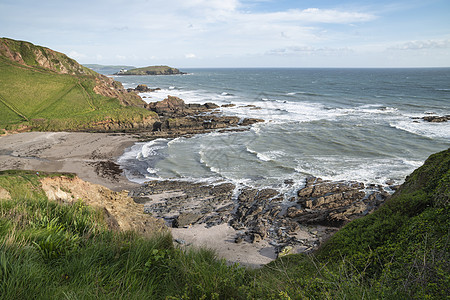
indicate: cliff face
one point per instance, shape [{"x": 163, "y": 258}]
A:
[
  {"x": 37, "y": 57},
  {"x": 120, "y": 209},
  {"x": 30, "y": 55}
]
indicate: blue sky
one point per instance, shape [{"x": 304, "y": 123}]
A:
[{"x": 237, "y": 33}]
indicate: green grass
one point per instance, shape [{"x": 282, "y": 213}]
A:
[
  {"x": 50, "y": 250},
  {"x": 45, "y": 100}
]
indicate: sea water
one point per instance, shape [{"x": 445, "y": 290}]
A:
[{"x": 337, "y": 124}]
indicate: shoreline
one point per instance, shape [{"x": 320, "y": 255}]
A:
[
  {"x": 251, "y": 230},
  {"x": 91, "y": 156},
  {"x": 80, "y": 153}
]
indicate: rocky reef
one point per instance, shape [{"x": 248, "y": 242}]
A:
[
  {"x": 258, "y": 214},
  {"x": 436, "y": 119},
  {"x": 172, "y": 117},
  {"x": 176, "y": 118}
]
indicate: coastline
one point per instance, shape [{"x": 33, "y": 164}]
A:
[
  {"x": 254, "y": 235},
  {"x": 80, "y": 153},
  {"x": 91, "y": 156}
]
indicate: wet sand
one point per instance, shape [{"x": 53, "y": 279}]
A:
[{"x": 91, "y": 156}]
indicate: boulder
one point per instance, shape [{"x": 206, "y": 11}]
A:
[
  {"x": 436, "y": 119},
  {"x": 169, "y": 106},
  {"x": 185, "y": 219}
]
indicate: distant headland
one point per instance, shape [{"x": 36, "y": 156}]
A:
[{"x": 151, "y": 70}]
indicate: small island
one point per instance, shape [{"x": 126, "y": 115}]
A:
[{"x": 151, "y": 70}]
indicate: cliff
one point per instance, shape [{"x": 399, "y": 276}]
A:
[
  {"x": 45, "y": 59},
  {"x": 43, "y": 89}
]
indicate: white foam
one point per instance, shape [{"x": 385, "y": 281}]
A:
[
  {"x": 267, "y": 155},
  {"x": 364, "y": 170},
  {"x": 422, "y": 128},
  {"x": 131, "y": 153},
  {"x": 189, "y": 96},
  {"x": 152, "y": 148},
  {"x": 152, "y": 170}
]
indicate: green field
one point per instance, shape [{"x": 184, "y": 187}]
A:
[
  {"x": 51, "y": 250},
  {"x": 43, "y": 99}
]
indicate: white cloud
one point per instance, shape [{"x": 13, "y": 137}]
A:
[
  {"x": 190, "y": 55},
  {"x": 421, "y": 45},
  {"x": 313, "y": 15},
  {"x": 221, "y": 5},
  {"x": 75, "y": 55},
  {"x": 308, "y": 50}
]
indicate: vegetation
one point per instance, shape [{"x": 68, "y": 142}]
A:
[
  {"x": 152, "y": 70},
  {"x": 52, "y": 250},
  {"x": 44, "y": 90}
]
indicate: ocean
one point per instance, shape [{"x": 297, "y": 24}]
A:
[{"x": 336, "y": 124}]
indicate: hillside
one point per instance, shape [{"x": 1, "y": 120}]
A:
[
  {"x": 66, "y": 249},
  {"x": 152, "y": 70},
  {"x": 41, "y": 89}
]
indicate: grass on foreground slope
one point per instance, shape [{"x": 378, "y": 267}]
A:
[
  {"x": 49, "y": 250},
  {"x": 55, "y": 251},
  {"x": 48, "y": 100},
  {"x": 401, "y": 251}
]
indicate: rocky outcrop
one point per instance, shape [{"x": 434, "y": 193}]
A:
[
  {"x": 335, "y": 203},
  {"x": 171, "y": 106},
  {"x": 27, "y": 54},
  {"x": 262, "y": 214},
  {"x": 436, "y": 119},
  {"x": 143, "y": 125},
  {"x": 142, "y": 88},
  {"x": 120, "y": 210},
  {"x": 178, "y": 118},
  {"x": 108, "y": 87},
  {"x": 173, "y": 118}
]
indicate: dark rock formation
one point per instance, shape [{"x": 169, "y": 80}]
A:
[
  {"x": 261, "y": 214},
  {"x": 229, "y": 105},
  {"x": 334, "y": 203},
  {"x": 179, "y": 118},
  {"x": 171, "y": 106},
  {"x": 436, "y": 119},
  {"x": 142, "y": 88}
]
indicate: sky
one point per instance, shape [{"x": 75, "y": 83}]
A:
[{"x": 236, "y": 33}]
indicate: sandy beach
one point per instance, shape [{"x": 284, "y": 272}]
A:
[{"x": 91, "y": 156}]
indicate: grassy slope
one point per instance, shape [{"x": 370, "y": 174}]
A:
[
  {"x": 48, "y": 250},
  {"x": 46, "y": 100},
  {"x": 54, "y": 251},
  {"x": 398, "y": 252}
]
